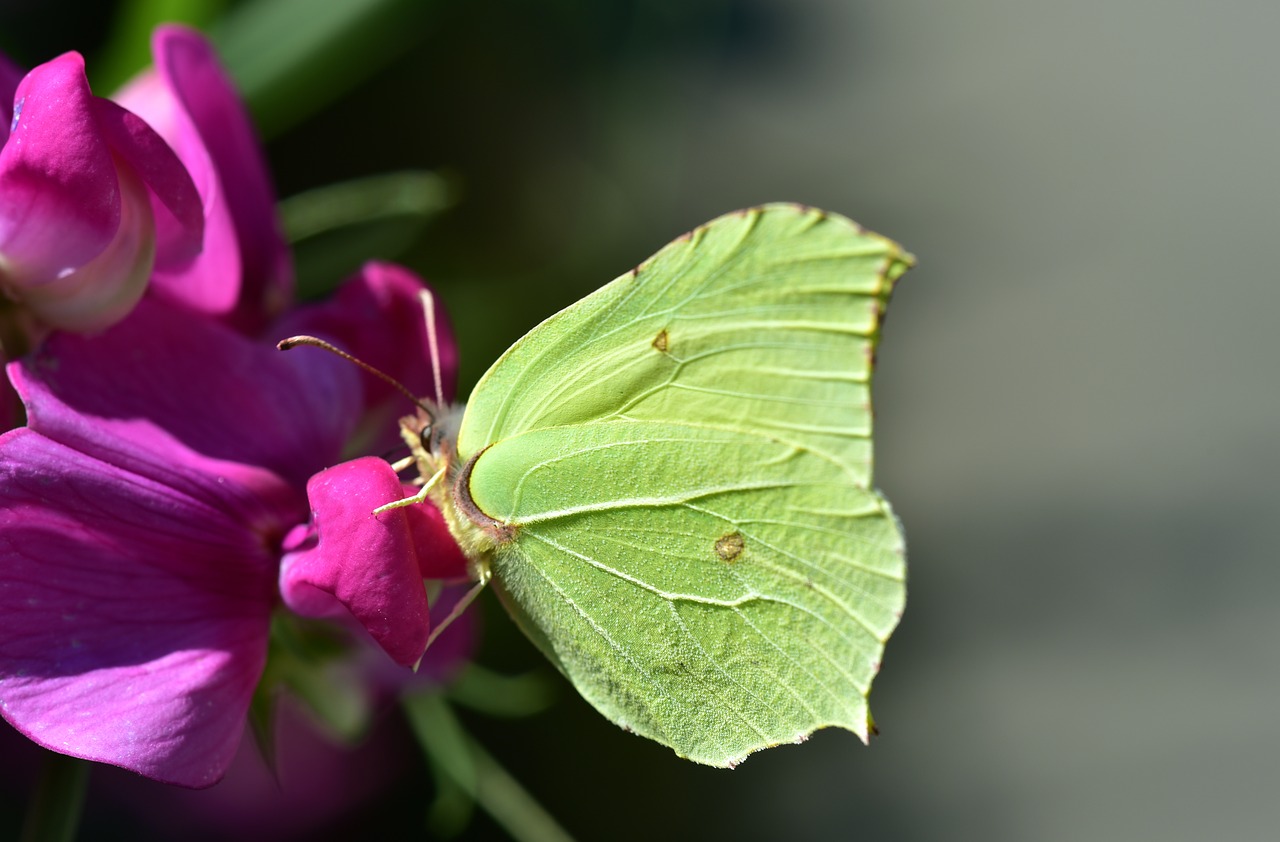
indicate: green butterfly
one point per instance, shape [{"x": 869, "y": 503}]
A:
[{"x": 669, "y": 485}]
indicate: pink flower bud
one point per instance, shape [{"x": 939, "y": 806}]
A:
[{"x": 89, "y": 195}]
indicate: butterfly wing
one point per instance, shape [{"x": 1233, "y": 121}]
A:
[{"x": 685, "y": 456}]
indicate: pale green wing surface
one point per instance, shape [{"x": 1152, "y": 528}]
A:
[
  {"x": 686, "y": 458},
  {"x": 764, "y": 319},
  {"x": 716, "y": 590}
]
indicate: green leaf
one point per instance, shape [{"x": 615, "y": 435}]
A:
[
  {"x": 670, "y": 484},
  {"x": 128, "y": 48},
  {"x": 337, "y": 228},
  {"x": 414, "y": 193},
  {"x": 292, "y": 57}
]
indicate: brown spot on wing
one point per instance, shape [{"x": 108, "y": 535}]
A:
[{"x": 729, "y": 547}]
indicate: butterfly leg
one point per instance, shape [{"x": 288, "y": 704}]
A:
[{"x": 420, "y": 497}]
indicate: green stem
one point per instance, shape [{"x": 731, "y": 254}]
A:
[
  {"x": 55, "y": 808},
  {"x": 453, "y": 752}
]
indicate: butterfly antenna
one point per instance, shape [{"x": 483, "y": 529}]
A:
[
  {"x": 433, "y": 343},
  {"x": 295, "y": 341}
]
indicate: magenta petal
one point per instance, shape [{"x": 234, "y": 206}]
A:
[
  {"x": 367, "y": 562},
  {"x": 82, "y": 184},
  {"x": 133, "y": 617},
  {"x": 439, "y": 556},
  {"x": 10, "y": 77},
  {"x": 382, "y": 301},
  {"x": 102, "y": 291},
  {"x": 162, "y": 374},
  {"x": 211, "y": 282},
  {"x": 59, "y": 197},
  {"x": 191, "y": 102},
  {"x": 389, "y": 296},
  {"x": 177, "y": 209},
  {"x": 9, "y": 404}
]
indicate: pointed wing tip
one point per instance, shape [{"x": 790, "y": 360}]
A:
[{"x": 900, "y": 259}]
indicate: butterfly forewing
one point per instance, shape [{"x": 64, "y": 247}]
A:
[{"x": 765, "y": 319}]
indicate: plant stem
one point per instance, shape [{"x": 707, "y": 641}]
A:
[
  {"x": 453, "y": 751},
  {"x": 54, "y": 813}
]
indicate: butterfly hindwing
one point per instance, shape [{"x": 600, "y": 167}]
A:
[{"x": 718, "y": 610}]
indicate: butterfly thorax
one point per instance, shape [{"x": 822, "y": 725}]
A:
[{"x": 432, "y": 440}]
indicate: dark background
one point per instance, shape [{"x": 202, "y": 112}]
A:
[{"x": 1076, "y": 396}]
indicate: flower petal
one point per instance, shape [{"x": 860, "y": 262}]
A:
[
  {"x": 191, "y": 102},
  {"x": 313, "y": 786},
  {"x": 163, "y": 377},
  {"x": 378, "y": 316},
  {"x": 176, "y": 205},
  {"x": 82, "y": 184},
  {"x": 439, "y": 556},
  {"x": 133, "y": 616},
  {"x": 10, "y": 77},
  {"x": 11, "y": 414},
  {"x": 368, "y": 562},
  {"x": 211, "y": 282},
  {"x": 59, "y": 198},
  {"x": 103, "y": 290}
]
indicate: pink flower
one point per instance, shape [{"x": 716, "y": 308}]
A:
[
  {"x": 347, "y": 321},
  {"x": 90, "y": 200},
  {"x": 144, "y": 513},
  {"x": 244, "y": 275},
  {"x": 349, "y": 558}
]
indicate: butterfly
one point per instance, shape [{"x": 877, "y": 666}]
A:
[{"x": 669, "y": 485}]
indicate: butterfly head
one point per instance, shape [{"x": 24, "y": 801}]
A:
[{"x": 431, "y": 435}]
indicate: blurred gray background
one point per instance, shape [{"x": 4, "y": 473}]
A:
[{"x": 1076, "y": 401}]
